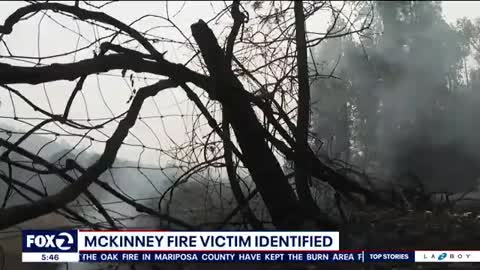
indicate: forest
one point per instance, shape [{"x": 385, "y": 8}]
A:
[{"x": 355, "y": 116}]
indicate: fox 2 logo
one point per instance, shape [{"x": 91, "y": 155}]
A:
[{"x": 49, "y": 241}]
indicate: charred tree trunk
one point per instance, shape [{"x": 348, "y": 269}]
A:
[
  {"x": 264, "y": 168},
  {"x": 247, "y": 213},
  {"x": 302, "y": 162}
]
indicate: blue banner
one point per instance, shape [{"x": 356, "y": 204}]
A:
[
  {"x": 390, "y": 256},
  {"x": 337, "y": 256}
]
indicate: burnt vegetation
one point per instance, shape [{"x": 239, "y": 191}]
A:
[{"x": 261, "y": 115}]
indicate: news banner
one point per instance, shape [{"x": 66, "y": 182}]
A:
[{"x": 204, "y": 246}]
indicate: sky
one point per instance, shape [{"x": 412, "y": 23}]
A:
[
  {"x": 454, "y": 10},
  {"x": 107, "y": 95}
]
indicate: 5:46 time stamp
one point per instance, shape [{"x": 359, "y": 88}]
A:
[{"x": 48, "y": 257}]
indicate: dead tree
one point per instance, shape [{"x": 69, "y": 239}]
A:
[{"x": 255, "y": 143}]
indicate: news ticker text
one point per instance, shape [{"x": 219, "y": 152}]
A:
[{"x": 219, "y": 246}]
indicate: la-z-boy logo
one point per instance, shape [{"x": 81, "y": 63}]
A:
[
  {"x": 455, "y": 256},
  {"x": 49, "y": 241},
  {"x": 442, "y": 256}
]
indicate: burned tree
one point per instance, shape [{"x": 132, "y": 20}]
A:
[{"x": 256, "y": 82}]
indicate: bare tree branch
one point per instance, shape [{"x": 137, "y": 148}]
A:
[
  {"x": 82, "y": 14},
  {"x": 10, "y": 74},
  {"x": 20, "y": 213}
]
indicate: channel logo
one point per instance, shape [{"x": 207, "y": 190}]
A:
[{"x": 49, "y": 241}]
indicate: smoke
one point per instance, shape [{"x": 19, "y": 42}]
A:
[
  {"x": 410, "y": 111},
  {"x": 199, "y": 201}
]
